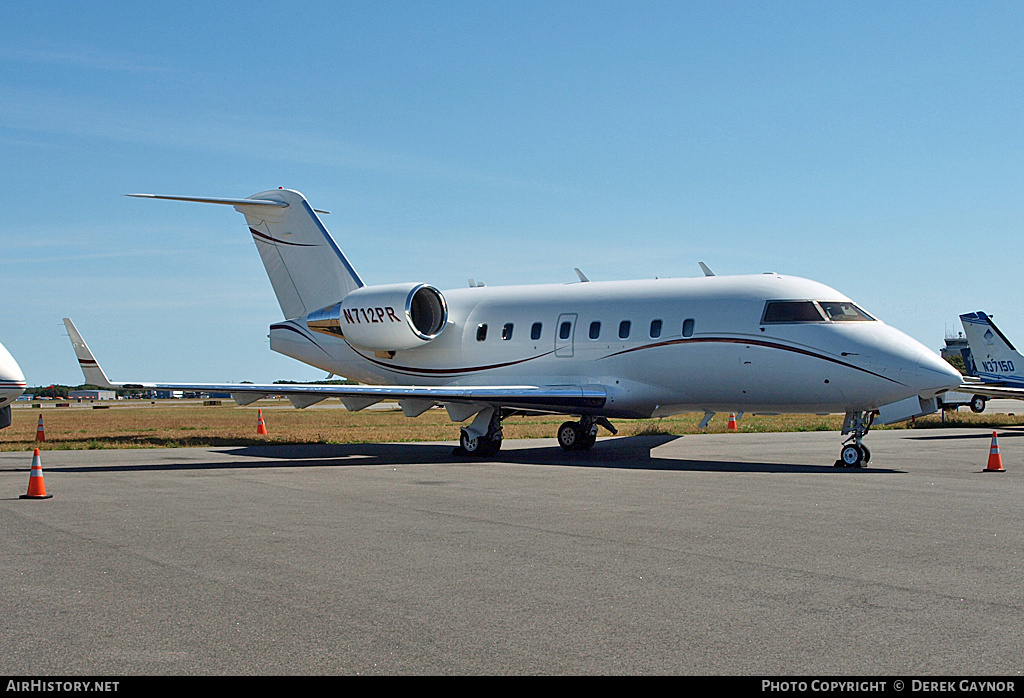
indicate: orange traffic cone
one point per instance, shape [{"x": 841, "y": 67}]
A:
[
  {"x": 995, "y": 461},
  {"x": 732, "y": 422},
  {"x": 40, "y": 432},
  {"x": 261, "y": 428},
  {"x": 36, "y": 486}
]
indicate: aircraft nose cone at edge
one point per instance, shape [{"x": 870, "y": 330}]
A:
[
  {"x": 10, "y": 372},
  {"x": 934, "y": 375}
]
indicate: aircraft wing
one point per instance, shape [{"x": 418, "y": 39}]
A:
[{"x": 461, "y": 401}]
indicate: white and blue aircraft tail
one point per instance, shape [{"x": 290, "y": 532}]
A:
[
  {"x": 764, "y": 343},
  {"x": 997, "y": 368}
]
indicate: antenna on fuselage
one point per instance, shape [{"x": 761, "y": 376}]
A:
[
  {"x": 581, "y": 275},
  {"x": 707, "y": 271}
]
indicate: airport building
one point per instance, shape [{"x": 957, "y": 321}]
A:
[{"x": 92, "y": 395}]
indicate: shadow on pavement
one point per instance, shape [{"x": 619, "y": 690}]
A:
[{"x": 628, "y": 453}]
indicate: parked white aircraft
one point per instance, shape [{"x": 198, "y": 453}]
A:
[
  {"x": 998, "y": 366},
  {"x": 12, "y": 384},
  {"x": 596, "y": 350}
]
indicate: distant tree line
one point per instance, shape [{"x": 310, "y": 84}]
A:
[{"x": 957, "y": 362}]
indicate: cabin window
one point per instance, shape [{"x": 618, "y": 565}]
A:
[
  {"x": 843, "y": 311},
  {"x": 595, "y": 329},
  {"x": 506, "y": 331},
  {"x": 624, "y": 329},
  {"x": 481, "y": 332},
  {"x": 655, "y": 329},
  {"x": 688, "y": 327},
  {"x": 565, "y": 330},
  {"x": 790, "y": 312},
  {"x": 535, "y": 330}
]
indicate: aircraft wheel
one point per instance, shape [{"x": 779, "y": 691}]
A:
[
  {"x": 852, "y": 456},
  {"x": 480, "y": 447},
  {"x": 586, "y": 442},
  {"x": 569, "y": 436},
  {"x": 977, "y": 404},
  {"x": 470, "y": 446}
]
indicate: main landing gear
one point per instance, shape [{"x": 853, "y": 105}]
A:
[
  {"x": 572, "y": 436},
  {"x": 855, "y": 454},
  {"x": 482, "y": 446},
  {"x": 576, "y": 436},
  {"x": 581, "y": 435}
]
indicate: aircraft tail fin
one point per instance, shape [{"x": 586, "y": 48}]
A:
[
  {"x": 90, "y": 367},
  {"x": 995, "y": 358},
  {"x": 306, "y": 267}
]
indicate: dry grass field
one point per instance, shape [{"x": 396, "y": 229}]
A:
[{"x": 180, "y": 423}]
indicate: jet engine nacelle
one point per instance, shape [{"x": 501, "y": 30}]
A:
[{"x": 391, "y": 317}]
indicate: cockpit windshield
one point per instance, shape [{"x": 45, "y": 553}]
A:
[
  {"x": 843, "y": 311},
  {"x": 791, "y": 311},
  {"x": 787, "y": 312}
]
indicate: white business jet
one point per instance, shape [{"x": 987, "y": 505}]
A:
[
  {"x": 12, "y": 384},
  {"x": 593, "y": 350}
]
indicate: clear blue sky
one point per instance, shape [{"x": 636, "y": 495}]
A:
[{"x": 875, "y": 147}]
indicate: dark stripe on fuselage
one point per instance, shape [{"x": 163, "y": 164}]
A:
[
  {"x": 439, "y": 371},
  {"x": 308, "y": 337},
  {"x": 754, "y": 342},
  {"x": 411, "y": 370}
]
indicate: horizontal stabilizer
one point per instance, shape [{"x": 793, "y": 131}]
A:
[
  {"x": 992, "y": 389},
  {"x": 214, "y": 200},
  {"x": 304, "y": 263}
]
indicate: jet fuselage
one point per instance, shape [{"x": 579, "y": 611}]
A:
[{"x": 658, "y": 347}]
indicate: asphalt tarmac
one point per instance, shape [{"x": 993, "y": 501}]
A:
[{"x": 731, "y": 554}]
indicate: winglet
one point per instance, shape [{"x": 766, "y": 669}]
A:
[{"x": 90, "y": 367}]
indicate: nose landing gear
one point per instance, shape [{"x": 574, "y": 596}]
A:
[{"x": 855, "y": 454}]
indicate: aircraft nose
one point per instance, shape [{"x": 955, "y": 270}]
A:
[
  {"x": 934, "y": 374},
  {"x": 12, "y": 380},
  {"x": 9, "y": 370}
]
